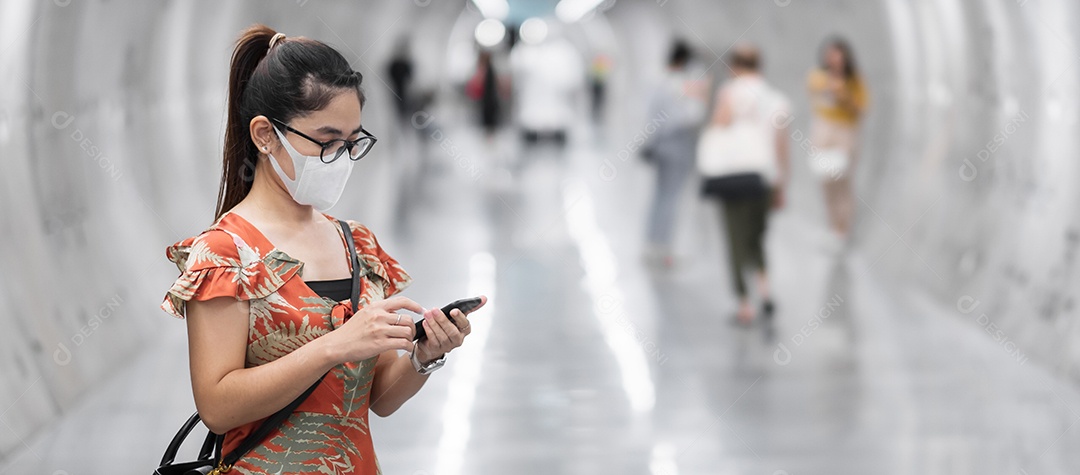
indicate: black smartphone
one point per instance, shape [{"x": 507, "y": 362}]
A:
[{"x": 465, "y": 305}]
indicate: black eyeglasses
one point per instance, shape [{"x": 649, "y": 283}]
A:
[{"x": 334, "y": 149}]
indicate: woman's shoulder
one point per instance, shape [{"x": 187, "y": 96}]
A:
[
  {"x": 359, "y": 228},
  {"x": 363, "y": 238},
  {"x": 223, "y": 244},
  {"x": 373, "y": 254},
  {"x": 213, "y": 247}
]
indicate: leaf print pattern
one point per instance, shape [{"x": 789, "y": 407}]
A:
[
  {"x": 282, "y": 340},
  {"x": 329, "y": 432},
  {"x": 201, "y": 253},
  {"x": 261, "y": 310},
  {"x": 305, "y": 439}
]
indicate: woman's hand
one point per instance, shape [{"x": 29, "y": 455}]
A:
[
  {"x": 836, "y": 83},
  {"x": 374, "y": 329},
  {"x": 442, "y": 334},
  {"x": 779, "y": 198}
]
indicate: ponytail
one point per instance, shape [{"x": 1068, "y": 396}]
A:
[
  {"x": 238, "y": 164},
  {"x": 279, "y": 78}
]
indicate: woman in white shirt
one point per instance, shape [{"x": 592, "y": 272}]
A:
[{"x": 747, "y": 100}]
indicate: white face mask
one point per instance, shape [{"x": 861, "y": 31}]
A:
[{"x": 317, "y": 184}]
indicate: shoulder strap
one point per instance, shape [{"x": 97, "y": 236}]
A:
[
  {"x": 264, "y": 429},
  {"x": 274, "y": 421},
  {"x": 356, "y": 264}
]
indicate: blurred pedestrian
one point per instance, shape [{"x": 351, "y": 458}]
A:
[
  {"x": 838, "y": 98},
  {"x": 677, "y": 110},
  {"x": 401, "y": 75},
  {"x": 743, "y": 157},
  {"x": 484, "y": 88},
  {"x": 599, "y": 71}
]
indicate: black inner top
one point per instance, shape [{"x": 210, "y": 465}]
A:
[{"x": 336, "y": 290}]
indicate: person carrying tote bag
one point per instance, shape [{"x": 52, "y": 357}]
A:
[
  {"x": 743, "y": 160},
  {"x": 736, "y": 160}
]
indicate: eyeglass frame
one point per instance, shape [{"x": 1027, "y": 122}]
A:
[{"x": 348, "y": 143}]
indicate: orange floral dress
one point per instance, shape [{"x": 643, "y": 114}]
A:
[{"x": 329, "y": 432}]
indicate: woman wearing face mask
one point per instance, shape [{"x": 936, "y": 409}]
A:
[{"x": 266, "y": 289}]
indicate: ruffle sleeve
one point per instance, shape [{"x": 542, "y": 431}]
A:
[
  {"x": 218, "y": 263},
  {"x": 393, "y": 277}
]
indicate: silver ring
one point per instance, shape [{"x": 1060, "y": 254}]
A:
[{"x": 398, "y": 319}]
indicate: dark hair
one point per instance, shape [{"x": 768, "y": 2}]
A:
[
  {"x": 298, "y": 76},
  {"x": 745, "y": 57},
  {"x": 850, "y": 71},
  {"x": 680, "y": 53}
]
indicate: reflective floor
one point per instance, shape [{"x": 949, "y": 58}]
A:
[{"x": 590, "y": 361}]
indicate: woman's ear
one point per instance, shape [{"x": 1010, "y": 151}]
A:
[{"x": 262, "y": 134}]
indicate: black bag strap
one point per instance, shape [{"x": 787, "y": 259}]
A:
[
  {"x": 264, "y": 429},
  {"x": 274, "y": 421},
  {"x": 211, "y": 447},
  {"x": 356, "y": 265},
  {"x": 174, "y": 444}
]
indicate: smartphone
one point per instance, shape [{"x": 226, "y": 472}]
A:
[{"x": 465, "y": 305}]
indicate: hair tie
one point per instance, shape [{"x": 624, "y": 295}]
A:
[{"x": 275, "y": 39}]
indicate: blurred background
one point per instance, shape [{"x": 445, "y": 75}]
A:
[{"x": 938, "y": 337}]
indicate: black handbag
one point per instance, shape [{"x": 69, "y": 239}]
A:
[
  {"x": 736, "y": 186},
  {"x": 210, "y": 460}
]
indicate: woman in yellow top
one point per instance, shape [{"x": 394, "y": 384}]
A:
[{"x": 838, "y": 98}]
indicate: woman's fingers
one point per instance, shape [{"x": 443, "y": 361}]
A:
[
  {"x": 394, "y": 330},
  {"x": 483, "y": 301},
  {"x": 463, "y": 327},
  {"x": 435, "y": 332},
  {"x": 448, "y": 335},
  {"x": 394, "y": 304},
  {"x": 400, "y": 331},
  {"x": 450, "y": 327},
  {"x": 399, "y": 343}
]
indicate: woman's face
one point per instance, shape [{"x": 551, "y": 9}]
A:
[
  {"x": 834, "y": 59},
  {"x": 340, "y": 119}
]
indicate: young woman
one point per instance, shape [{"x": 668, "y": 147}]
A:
[
  {"x": 838, "y": 98},
  {"x": 266, "y": 289},
  {"x": 750, "y": 102}
]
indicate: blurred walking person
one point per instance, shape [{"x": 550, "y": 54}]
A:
[
  {"x": 677, "y": 110},
  {"x": 743, "y": 158},
  {"x": 484, "y": 88},
  {"x": 838, "y": 98},
  {"x": 599, "y": 71},
  {"x": 400, "y": 70}
]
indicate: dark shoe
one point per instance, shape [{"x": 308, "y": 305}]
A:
[{"x": 767, "y": 310}]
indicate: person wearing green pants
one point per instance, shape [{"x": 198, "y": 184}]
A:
[{"x": 760, "y": 113}]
